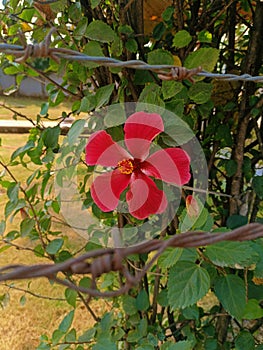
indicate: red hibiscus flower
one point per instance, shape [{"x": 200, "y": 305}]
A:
[{"x": 134, "y": 168}]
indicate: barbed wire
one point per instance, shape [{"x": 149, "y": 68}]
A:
[
  {"x": 107, "y": 260},
  {"x": 164, "y": 71}
]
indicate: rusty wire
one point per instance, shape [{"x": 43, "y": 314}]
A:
[
  {"x": 105, "y": 260},
  {"x": 165, "y": 72}
]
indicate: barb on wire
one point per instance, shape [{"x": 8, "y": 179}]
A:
[
  {"x": 165, "y": 72},
  {"x": 105, "y": 260}
]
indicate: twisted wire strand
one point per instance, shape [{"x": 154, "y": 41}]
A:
[
  {"x": 105, "y": 260},
  {"x": 164, "y": 71}
]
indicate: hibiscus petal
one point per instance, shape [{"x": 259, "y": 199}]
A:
[
  {"x": 102, "y": 150},
  {"x": 107, "y": 188},
  {"x": 171, "y": 165},
  {"x": 140, "y": 129},
  {"x": 144, "y": 198}
]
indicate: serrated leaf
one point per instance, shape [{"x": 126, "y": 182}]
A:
[
  {"x": 93, "y": 48},
  {"x": 200, "y": 92},
  {"x": 180, "y": 345},
  {"x": 231, "y": 292},
  {"x": 182, "y": 39},
  {"x": 235, "y": 221},
  {"x": 204, "y": 36},
  {"x": 169, "y": 257},
  {"x": 168, "y": 13},
  {"x": 204, "y": 57},
  {"x": 187, "y": 283},
  {"x": 129, "y": 305},
  {"x": 244, "y": 341},
  {"x": 131, "y": 45},
  {"x": 171, "y": 88},
  {"x": 100, "y": 31},
  {"x": 231, "y": 253},
  {"x": 81, "y": 28},
  {"x": 160, "y": 56}
]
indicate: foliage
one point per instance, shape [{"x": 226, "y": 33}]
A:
[{"x": 165, "y": 311}]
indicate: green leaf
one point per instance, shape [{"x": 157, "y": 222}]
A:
[
  {"x": 94, "y": 3},
  {"x": 171, "y": 88},
  {"x": 231, "y": 292},
  {"x": 75, "y": 131},
  {"x": 81, "y": 28},
  {"x": 204, "y": 36},
  {"x": 204, "y": 57},
  {"x": 56, "y": 336},
  {"x": 187, "y": 283},
  {"x": 252, "y": 310},
  {"x": 93, "y": 48},
  {"x": 100, "y": 31},
  {"x": 200, "y": 92},
  {"x": 22, "y": 300},
  {"x": 66, "y": 322},
  {"x": 12, "y": 192},
  {"x": 22, "y": 150},
  {"x": 71, "y": 296},
  {"x": 160, "y": 56},
  {"x": 88, "y": 335},
  {"x": 169, "y": 257},
  {"x": 231, "y": 167},
  {"x": 142, "y": 301},
  {"x": 244, "y": 341},
  {"x": 182, "y": 39},
  {"x": 26, "y": 226},
  {"x": 115, "y": 115},
  {"x": 131, "y": 45},
  {"x": 230, "y": 253},
  {"x": 88, "y": 103},
  {"x": 104, "y": 343},
  {"x": 180, "y": 345},
  {"x": 257, "y": 184},
  {"x": 151, "y": 95},
  {"x": 158, "y": 31},
  {"x": 103, "y": 95},
  {"x": 168, "y": 13},
  {"x": 50, "y": 137},
  {"x": 54, "y": 246},
  {"x": 129, "y": 305},
  {"x": 235, "y": 221},
  {"x": 2, "y": 227}
]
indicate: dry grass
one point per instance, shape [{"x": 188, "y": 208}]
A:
[
  {"x": 30, "y": 107},
  {"x": 22, "y": 325}
]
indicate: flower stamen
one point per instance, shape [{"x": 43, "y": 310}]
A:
[{"x": 126, "y": 166}]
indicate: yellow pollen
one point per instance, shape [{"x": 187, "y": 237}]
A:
[{"x": 126, "y": 166}]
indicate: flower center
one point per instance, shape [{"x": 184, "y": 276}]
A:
[{"x": 126, "y": 166}]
